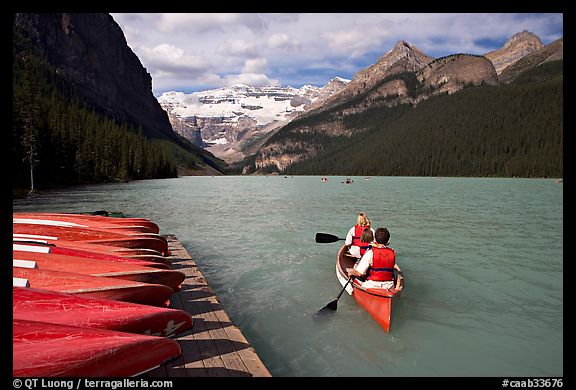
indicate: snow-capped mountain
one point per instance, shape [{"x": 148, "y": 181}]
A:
[{"x": 223, "y": 120}]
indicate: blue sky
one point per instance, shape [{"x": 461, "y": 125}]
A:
[{"x": 190, "y": 52}]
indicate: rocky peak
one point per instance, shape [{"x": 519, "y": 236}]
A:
[
  {"x": 451, "y": 73},
  {"x": 523, "y": 37},
  {"x": 336, "y": 82},
  {"x": 415, "y": 60},
  {"x": 518, "y": 46},
  {"x": 551, "y": 52},
  {"x": 405, "y": 49},
  {"x": 403, "y": 57}
]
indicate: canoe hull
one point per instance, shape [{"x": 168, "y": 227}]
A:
[
  {"x": 37, "y": 239},
  {"x": 54, "y": 250},
  {"x": 102, "y": 267},
  {"x": 52, "y": 350},
  {"x": 377, "y": 302},
  {"x": 95, "y": 220},
  {"x": 69, "y": 309},
  {"x": 96, "y": 286},
  {"x": 95, "y": 236}
]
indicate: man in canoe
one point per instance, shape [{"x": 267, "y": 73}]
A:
[
  {"x": 377, "y": 264},
  {"x": 354, "y": 236}
]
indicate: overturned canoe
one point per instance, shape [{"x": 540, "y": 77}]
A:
[
  {"x": 140, "y": 224},
  {"x": 91, "y": 235},
  {"x": 376, "y": 301},
  {"x": 36, "y": 239},
  {"x": 43, "y": 349},
  {"x": 70, "y": 309},
  {"x": 98, "y": 267},
  {"x": 95, "y": 286},
  {"x": 56, "y": 250}
]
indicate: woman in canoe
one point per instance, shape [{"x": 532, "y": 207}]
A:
[
  {"x": 353, "y": 238},
  {"x": 377, "y": 264}
]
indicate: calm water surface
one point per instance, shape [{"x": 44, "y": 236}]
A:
[{"x": 483, "y": 261}]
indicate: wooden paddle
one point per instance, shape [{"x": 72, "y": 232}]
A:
[{"x": 327, "y": 238}]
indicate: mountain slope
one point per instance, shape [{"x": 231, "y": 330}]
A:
[
  {"x": 90, "y": 54},
  {"x": 396, "y": 83},
  {"x": 229, "y": 121},
  {"x": 460, "y": 86},
  {"x": 501, "y": 131},
  {"x": 83, "y": 105},
  {"x": 547, "y": 54},
  {"x": 403, "y": 57},
  {"x": 518, "y": 46}
]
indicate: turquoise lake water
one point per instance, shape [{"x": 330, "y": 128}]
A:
[{"x": 482, "y": 258}]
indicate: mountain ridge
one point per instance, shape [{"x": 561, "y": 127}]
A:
[
  {"x": 90, "y": 53},
  {"x": 223, "y": 119},
  {"x": 83, "y": 107},
  {"x": 518, "y": 46},
  {"x": 395, "y": 84},
  {"x": 387, "y": 81}
]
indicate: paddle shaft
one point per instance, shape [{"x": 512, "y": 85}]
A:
[
  {"x": 333, "y": 306},
  {"x": 344, "y": 288}
]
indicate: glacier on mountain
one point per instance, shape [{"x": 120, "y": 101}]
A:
[{"x": 222, "y": 119}]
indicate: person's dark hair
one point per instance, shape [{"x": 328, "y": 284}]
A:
[{"x": 382, "y": 235}]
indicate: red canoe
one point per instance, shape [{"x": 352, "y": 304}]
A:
[
  {"x": 94, "y": 220},
  {"x": 70, "y": 309},
  {"x": 42, "y": 349},
  {"x": 101, "y": 267},
  {"x": 52, "y": 249},
  {"x": 116, "y": 250},
  {"x": 376, "y": 301},
  {"x": 96, "y": 236},
  {"x": 73, "y": 222},
  {"x": 95, "y": 286}
]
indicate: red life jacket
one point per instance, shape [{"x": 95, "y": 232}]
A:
[
  {"x": 364, "y": 246},
  {"x": 382, "y": 268},
  {"x": 357, "y": 234}
]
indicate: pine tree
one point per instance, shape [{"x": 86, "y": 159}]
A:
[{"x": 28, "y": 111}]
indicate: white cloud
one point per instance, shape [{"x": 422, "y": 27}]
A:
[
  {"x": 237, "y": 47},
  {"x": 282, "y": 41},
  {"x": 209, "y": 22},
  {"x": 252, "y": 79},
  {"x": 356, "y": 41},
  {"x": 170, "y": 59},
  {"x": 255, "y": 65}
]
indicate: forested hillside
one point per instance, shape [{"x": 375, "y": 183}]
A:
[
  {"x": 83, "y": 108},
  {"x": 67, "y": 142},
  {"x": 508, "y": 130}
]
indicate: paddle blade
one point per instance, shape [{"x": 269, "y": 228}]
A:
[
  {"x": 332, "y": 306},
  {"x": 327, "y": 238}
]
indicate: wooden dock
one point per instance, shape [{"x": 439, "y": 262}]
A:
[{"x": 214, "y": 347}]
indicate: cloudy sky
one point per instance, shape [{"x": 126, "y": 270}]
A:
[{"x": 196, "y": 51}]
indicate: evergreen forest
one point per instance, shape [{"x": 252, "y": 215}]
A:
[
  {"x": 58, "y": 139},
  {"x": 511, "y": 130}
]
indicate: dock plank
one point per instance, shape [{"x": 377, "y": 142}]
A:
[{"x": 214, "y": 347}]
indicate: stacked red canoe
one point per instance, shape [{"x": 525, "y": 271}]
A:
[{"x": 90, "y": 296}]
